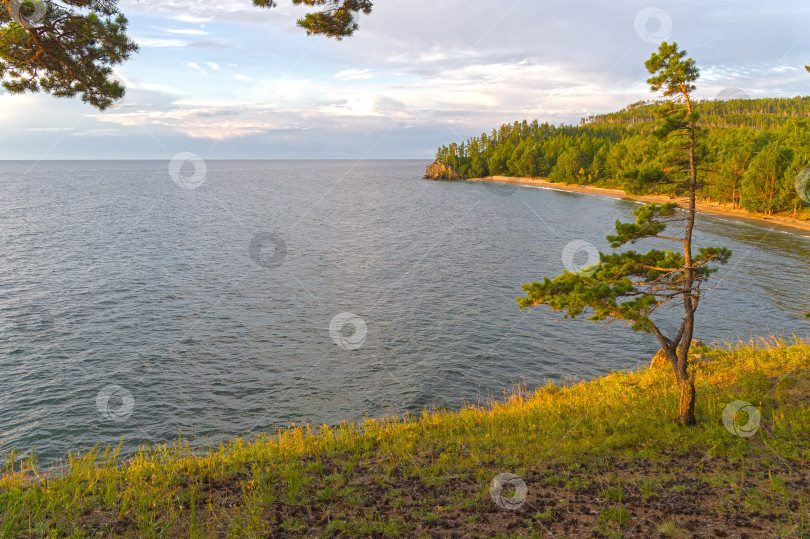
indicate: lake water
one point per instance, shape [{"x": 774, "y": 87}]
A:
[{"x": 254, "y": 294}]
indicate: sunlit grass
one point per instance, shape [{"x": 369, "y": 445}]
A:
[{"x": 404, "y": 475}]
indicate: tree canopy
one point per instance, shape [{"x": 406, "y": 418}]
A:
[
  {"x": 336, "y": 18},
  {"x": 68, "y": 48},
  {"x": 615, "y": 151},
  {"x": 65, "y": 48}
]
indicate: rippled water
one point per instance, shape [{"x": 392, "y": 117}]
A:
[{"x": 131, "y": 306}]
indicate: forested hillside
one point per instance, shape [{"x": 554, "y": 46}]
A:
[{"x": 753, "y": 151}]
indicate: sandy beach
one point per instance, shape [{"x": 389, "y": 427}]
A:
[{"x": 781, "y": 223}]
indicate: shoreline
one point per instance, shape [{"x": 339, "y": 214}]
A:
[{"x": 779, "y": 223}]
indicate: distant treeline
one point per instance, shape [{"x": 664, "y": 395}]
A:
[{"x": 751, "y": 154}]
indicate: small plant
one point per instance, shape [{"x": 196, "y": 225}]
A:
[
  {"x": 576, "y": 483},
  {"x": 292, "y": 524},
  {"x": 613, "y": 494},
  {"x": 649, "y": 487},
  {"x": 326, "y": 495},
  {"x": 669, "y": 528},
  {"x": 553, "y": 480},
  {"x": 545, "y": 516},
  {"x": 617, "y": 515}
]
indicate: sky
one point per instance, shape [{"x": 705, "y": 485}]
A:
[{"x": 226, "y": 80}]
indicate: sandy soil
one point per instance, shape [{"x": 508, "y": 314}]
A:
[{"x": 784, "y": 224}]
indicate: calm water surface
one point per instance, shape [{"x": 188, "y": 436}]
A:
[{"x": 132, "y": 306}]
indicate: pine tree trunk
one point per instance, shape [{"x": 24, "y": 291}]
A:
[{"x": 686, "y": 406}]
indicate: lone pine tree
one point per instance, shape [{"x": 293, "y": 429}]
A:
[{"x": 631, "y": 286}]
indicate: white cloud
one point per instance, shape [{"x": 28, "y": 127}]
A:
[
  {"x": 447, "y": 69},
  {"x": 209, "y": 122},
  {"x": 49, "y": 129},
  {"x": 159, "y": 42},
  {"x": 183, "y": 31},
  {"x": 354, "y": 74},
  {"x": 190, "y": 18},
  {"x": 195, "y": 65},
  {"x": 99, "y": 133},
  {"x": 364, "y": 105}
]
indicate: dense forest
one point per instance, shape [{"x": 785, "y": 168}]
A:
[{"x": 752, "y": 151}]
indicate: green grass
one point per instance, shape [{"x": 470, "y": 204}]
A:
[{"x": 592, "y": 456}]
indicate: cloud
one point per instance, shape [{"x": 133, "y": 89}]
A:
[
  {"x": 183, "y": 31},
  {"x": 49, "y": 129},
  {"x": 99, "y": 133},
  {"x": 202, "y": 11},
  {"x": 432, "y": 71},
  {"x": 354, "y": 74},
  {"x": 159, "y": 42},
  {"x": 364, "y": 105},
  {"x": 194, "y": 65},
  {"x": 209, "y": 122},
  {"x": 190, "y": 18},
  {"x": 210, "y": 44}
]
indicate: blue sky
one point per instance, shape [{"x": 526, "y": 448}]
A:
[{"x": 228, "y": 80}]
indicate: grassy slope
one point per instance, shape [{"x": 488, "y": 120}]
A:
[{"x": 602, "y": 458}]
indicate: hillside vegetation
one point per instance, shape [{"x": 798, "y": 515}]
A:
[{"x": 753, "y": 152}]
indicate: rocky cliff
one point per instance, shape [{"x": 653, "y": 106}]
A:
[{"x": 442, "y": 171}]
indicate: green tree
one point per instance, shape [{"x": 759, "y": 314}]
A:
[
  {"x": 336, "y": 18},
  {"x": 569, "y": 168},
  {"x": 631, "y": 286},
  {"x": 66, "y": 48},
  {"x": 761, "y": 183},
  {"x": 789, "y": 195},
  {"x": 496, "y": 161},
  {"x": 734, "y": 150}
]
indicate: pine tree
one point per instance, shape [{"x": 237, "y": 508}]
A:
[
  {"x": 631, "y": 286},
  {"x": 63, "y": 49},
  {"x": 336, "y": 19}
]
